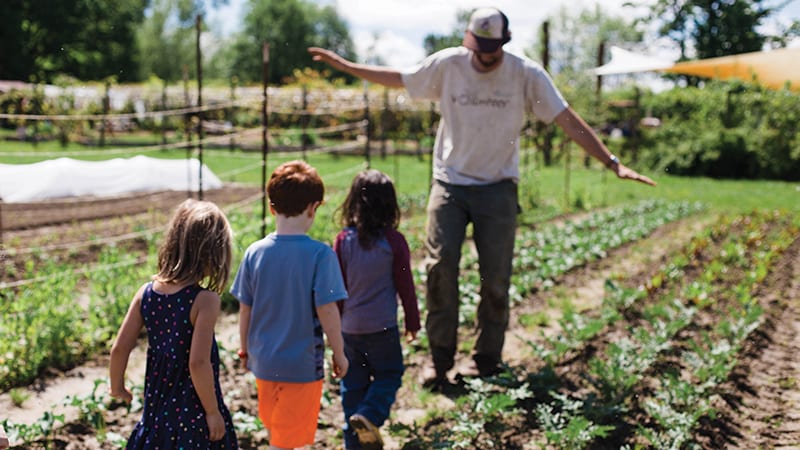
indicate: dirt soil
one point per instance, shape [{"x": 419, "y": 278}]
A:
[
  {"x": 761, "y": 407},
  {"x": 74, "y": 230}
]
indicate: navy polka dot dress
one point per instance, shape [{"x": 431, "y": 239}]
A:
[{"x": 173, "y": 417}]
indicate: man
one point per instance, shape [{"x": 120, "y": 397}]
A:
[{"x": 484, "y": 94}]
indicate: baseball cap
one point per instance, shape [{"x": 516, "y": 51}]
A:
[{"x": 487, "y": 30}]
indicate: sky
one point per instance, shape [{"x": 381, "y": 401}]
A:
[{"x": 400, "y": 26}]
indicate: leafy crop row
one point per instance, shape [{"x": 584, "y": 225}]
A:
[{"x": 658, "y": 354}]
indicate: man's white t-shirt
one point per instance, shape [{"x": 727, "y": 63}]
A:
[{"x": 482, "y": 113}]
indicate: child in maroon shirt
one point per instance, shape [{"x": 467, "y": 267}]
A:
[{"x": 375, "y": 262}]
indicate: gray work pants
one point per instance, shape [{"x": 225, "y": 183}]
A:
[{"x": 492, "y": 210}]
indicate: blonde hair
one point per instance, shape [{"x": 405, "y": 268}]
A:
[{"x": 197, "y": 246}]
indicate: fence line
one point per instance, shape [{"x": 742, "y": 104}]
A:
[
  {"x": 137, "y": 149},
  {"x": 197, "y": 145},
  {"x": 233, "y": 172},
  {"x": 241, "y": 203},
  {"x": 82, "y": 244},
  {"x": 223, "y": 138},
  {"x": 106, "y": 241},
  {"x": 135, "y": 115},
  {"x": 343, "y": 172},
  {"x": 240, "y": 103}
]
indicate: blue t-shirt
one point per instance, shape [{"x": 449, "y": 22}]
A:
[{"x": 284, "y": 278}]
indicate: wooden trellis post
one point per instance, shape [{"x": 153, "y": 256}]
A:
[
  {"x": 264, "y": 141},
  {"x": 199, "y": 61},
  {"x": 366, "y": 120}
]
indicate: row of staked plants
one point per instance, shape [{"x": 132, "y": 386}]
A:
[
  {"x": 543, "y": 254},
  {"x": 642, "y": 370},
  {"x": 613, "y": 394}
]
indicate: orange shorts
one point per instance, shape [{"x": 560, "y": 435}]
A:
[{"x": 289, "y": 411}]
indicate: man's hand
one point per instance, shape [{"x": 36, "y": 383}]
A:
[
  {"x": 326, "y": 56},
  {"x": 630, "y": 174},
  {"x": 385, "y": 76}
]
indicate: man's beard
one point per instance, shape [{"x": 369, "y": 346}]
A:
[{"x": 492, "y": 61}]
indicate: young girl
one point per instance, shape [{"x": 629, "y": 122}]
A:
[
  {"x": 183, "y": 404},
  {"x": 375, "y": 262}
]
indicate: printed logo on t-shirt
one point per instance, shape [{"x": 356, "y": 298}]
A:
[{"x": 474, "y": 100}]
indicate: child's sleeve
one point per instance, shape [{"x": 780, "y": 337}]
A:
[
  {"x": 404, "y": 278},
  {"x": 337, "y": 248},
  {"x": 328, "y": 282},
  {"x": 241, "y": 286}
]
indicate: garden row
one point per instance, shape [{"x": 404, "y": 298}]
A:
[
  {"x": 52, "y": 333},
  {"x": 547, "y": 252},
  {"x": 641, "y": 371},
  {"x": 72, "y": 312}
]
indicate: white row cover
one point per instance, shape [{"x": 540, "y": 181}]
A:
[{"x": 66, "y": 177}]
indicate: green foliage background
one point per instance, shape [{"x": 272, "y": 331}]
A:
[{"x": 725, "y": 130}]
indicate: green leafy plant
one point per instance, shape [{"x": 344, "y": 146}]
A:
[
  {"x": 564, "y": 424},
  {"x": 92, "y": 407},
  {"x": 18, "y": 396}
]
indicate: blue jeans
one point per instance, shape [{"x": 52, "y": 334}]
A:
[{"x": 370, "y": 386}]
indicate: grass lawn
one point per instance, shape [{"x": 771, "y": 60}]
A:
[{"x": 544, "y": 191}]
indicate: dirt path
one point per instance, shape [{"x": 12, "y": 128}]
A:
[
  {"x": 76, "y": 234},
  {"x": 761, "y": 408}
]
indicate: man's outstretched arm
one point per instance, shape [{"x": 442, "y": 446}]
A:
[
  {"x": 375, "y": 74},
  {"x": 580, "y": 132}
]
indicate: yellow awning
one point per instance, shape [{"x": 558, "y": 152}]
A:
[{"x": 774, "y": 68}]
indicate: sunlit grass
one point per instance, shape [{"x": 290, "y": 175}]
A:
[{"x": 545, "y": 192}]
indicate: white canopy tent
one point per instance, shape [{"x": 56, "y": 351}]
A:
[{"x": 624, "y": 61}]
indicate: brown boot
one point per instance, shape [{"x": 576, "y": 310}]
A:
[
  {"x": 432, "y": 379},
  {"x": 369, "y": 436}
]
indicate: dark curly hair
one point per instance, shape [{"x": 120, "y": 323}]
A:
[{"x": 371, "y": 206}]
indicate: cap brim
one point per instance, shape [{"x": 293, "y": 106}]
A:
[{"x": 479, "y": 44}]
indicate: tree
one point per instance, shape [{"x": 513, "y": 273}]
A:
[
  {"x": 87, "y": 39},
  {"x": 710, "y": 28},
  {"x": 167, "y": 38},
  {"x": 728, "y": 28},
  {"x": 290, "y": 27},
  {"x": 331, "y": 32},
  {"x": 15, "y": 63},
  {"x": 574, "y": 40},
  {"x": 435, "y": 42},
  {"x": 166, "y": 41}
]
